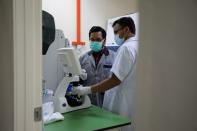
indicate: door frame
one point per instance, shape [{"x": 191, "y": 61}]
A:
[{"x": 27, "y": 24}]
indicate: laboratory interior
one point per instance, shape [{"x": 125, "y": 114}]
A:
[
  {"x": 68, "y": 29},
  {"x": 67, "y": 56},
  {"x": 98, "y": 65}
]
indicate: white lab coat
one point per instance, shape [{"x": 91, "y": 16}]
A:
[{"x": 120, "y": 99}]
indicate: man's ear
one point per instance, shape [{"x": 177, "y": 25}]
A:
[
  {"x": 126, "y": 29},
  {"x": 104, "y": 42}
]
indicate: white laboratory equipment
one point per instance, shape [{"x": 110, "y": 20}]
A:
[
  {"x": 52, "y": 68},
  {"x": 63, "y": 99}
]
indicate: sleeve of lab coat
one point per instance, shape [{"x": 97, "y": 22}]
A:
[
  {"x": 123, "y": 63},
  {"x": 81, "y": 59}
]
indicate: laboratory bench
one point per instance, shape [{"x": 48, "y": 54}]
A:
[{"x": 89, "y": 119}]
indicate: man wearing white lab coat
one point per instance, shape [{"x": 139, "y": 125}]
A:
[{"x": 120, "y": 94}]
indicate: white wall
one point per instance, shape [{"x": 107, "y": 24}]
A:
[
  {"x": 6, "y": 67},
  {"x": 63, "y": 12},
  {"x": 97, "y": 12},
  {"x": 93, "y": 12},
  {"x": 167, "y": 68}
]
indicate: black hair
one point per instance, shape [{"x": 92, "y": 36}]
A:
[
  {"x": 98, "y": 29},
  {"x": 126, "y": 22}
]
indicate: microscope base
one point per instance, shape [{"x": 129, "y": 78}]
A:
[{"x": 61, "y": 105}]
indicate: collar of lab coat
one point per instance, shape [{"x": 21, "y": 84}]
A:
[
  {"x": 130, "y": 39},
  {"x": 105, "y": 51}
]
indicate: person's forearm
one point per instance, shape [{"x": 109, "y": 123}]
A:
[{"x": 106, "y": 84}]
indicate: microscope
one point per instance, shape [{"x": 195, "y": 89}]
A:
[{"x": 64, "y": 100}]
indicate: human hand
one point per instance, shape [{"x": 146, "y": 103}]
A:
[
  {"x": 83, "y": 75},
  {"x": 81, "y": 90}
]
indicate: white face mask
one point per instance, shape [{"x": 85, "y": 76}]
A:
[{"x": 119, "y": 41}]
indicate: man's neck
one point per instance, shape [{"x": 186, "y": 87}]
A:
[
  {"x": 97, "y": 56},
  {"x": 129, "y": 36}
]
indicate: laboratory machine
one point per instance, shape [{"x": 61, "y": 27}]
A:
[{"x": 64, "y": 100}]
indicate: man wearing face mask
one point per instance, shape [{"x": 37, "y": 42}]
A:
[
  {"x": 97, "y": 62},
  {"x": 121, "y": 86}
]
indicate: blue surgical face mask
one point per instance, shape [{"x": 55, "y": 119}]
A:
[
  {"x": 96, "y": 46},
  {"x": 119, "y": 41}
]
